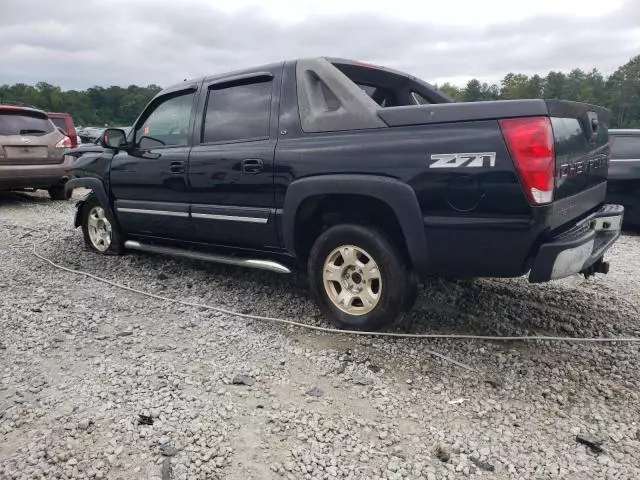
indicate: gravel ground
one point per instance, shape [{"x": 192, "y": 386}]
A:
[{"x": 98, "y": 382}]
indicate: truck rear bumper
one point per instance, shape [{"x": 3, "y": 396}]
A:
[{"x": 580, "y": 248}]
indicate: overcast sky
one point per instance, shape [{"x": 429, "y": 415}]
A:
[{"x": 78, "y": 44}]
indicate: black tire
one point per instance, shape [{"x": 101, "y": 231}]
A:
[
  {"x": 394, "y": 276},
  {"x": 412, "y": 290},
  {"x": 57, "y": 192},
  {"x": 116, "y": 244}
]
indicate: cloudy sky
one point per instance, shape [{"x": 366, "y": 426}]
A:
[{"x": 81, "y": 43}]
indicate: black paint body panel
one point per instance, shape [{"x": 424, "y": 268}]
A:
[{"x": 457, "y": 221}]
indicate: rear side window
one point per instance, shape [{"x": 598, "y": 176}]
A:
[
  {"x": 625, "y": 148},
  {"x": 60, "y": 123},
  {"x": 24, "y": 123},
  {"x": 239, "y": 112}
]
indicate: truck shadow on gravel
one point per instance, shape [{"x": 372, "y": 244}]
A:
[
  {"x": 514, "y": 307},
  {"x": 487, "y": 306},
  {"x": 24, "y": 198}
]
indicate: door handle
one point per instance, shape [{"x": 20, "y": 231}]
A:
[
  {"x": 252, "y": 165},
  {"x": 176, "y": 167}
]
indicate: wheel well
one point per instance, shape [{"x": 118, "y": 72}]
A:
[{"x": 319, "y": 212}]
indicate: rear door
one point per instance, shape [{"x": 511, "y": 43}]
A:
[
  {"x": 149, "y": 181},
  {"x": 231, "y": 163}
]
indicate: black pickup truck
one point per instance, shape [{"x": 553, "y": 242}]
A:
[{"x": 363, "y": 177}]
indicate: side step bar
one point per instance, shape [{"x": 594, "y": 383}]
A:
[{"x": 208, "y": 257}]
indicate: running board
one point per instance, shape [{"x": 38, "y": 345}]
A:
[{"x": 208, "y": 257}]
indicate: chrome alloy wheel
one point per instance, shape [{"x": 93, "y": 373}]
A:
[
  {"x": 352, "y": 280},
  {"x": 99, "y": 229}
]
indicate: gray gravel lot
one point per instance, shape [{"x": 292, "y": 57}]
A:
[{"x": 97, "y": 382}]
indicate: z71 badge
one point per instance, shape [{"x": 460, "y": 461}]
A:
[{"x": 453, "y": 160}]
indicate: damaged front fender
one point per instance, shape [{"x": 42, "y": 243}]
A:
[{"x": 91, "y": 171}]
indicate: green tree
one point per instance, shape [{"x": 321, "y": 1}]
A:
[
  {"x": 623, "y": 94},
  {"x": 535, "y": 87},
  {"x": 490, "y": 91},
  {"x": 451, "y": 90},
  {"x": 95, "y": 106},
  {"x": 114, "y": 105},
  {"x": 554, "y": 85},
  {"x": 514, "y": 86},
  {"x": 473, "y": 91}
]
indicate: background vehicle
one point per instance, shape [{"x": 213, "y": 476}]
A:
[
  {"x": 363, "y": 176},
  {"x": 64, "y": 121},
  {"x": 624, "y": 173},
  {"x": 32, "y": 152},
  {"x": 93, "y": 147},
  {"x": 91, "y": 134}
]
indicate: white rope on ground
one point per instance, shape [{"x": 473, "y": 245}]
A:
[{"x": 335, "y": 330}]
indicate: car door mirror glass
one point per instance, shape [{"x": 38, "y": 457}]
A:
[{"x": 113, "y": 138}]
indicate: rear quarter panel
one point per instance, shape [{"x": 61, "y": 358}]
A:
[
  {"x": 473, "y": 215},
  {"x": 406, "y": 153}
]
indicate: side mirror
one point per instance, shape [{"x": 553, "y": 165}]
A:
[{"x": 113, "y": 138}]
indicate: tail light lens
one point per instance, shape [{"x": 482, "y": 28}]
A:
[
  {"x": 530, "y": 143},
  {"x": 64, "y": 143}
]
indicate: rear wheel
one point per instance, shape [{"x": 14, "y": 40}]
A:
[
  {"x": 358, "y": 277},
  {"x": 100, "y": 232},
  {"x": 57, "y": 192}
]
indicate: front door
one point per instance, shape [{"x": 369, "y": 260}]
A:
[
  {"x": 149, "y": 181},
  {"x": 231, "y": 163}
]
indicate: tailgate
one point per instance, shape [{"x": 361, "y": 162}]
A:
[
  {"x": 582, "y": 154},
  {"x": 581, "y": 146},
  {"x": 30, "y": 150},
  {"x": 27, "y": 137}
]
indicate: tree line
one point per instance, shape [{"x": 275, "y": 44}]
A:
[
  {"x": 620, "y": 92},
  {"x": 96, "y": 106}
]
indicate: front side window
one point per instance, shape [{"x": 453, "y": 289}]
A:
[
  {"x": 239, "y": 112},
  {"x": 167, "y": 124}
]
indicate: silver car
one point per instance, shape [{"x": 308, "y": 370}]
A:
[{"x": 32, "y": 152}]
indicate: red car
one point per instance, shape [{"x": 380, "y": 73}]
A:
[{"x": 64, "y": 121}]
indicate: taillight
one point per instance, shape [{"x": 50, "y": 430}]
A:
[
  {"x": 64, "y": 143},
  {"x": 530, "y": 142}
]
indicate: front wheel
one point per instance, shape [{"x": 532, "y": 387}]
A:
[
  {"x": 358, "y": 277},
  {"x": 99, "y": 230}
]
